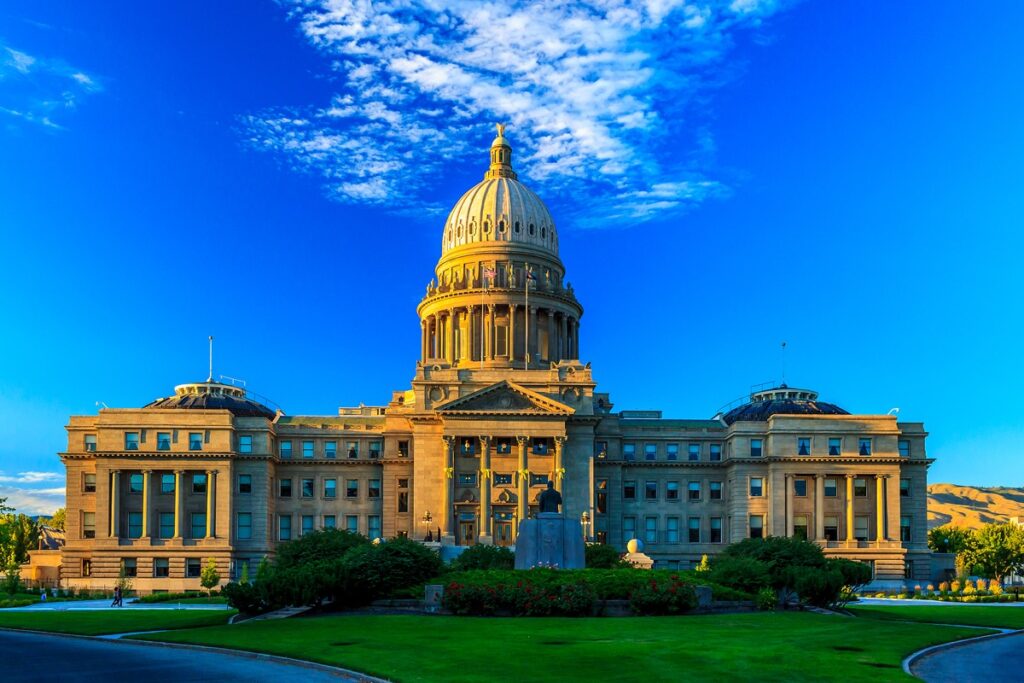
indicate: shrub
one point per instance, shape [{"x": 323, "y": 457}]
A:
[
  {"x": 659, "y": 598},
  {"x": 484, "y": 557},
  {"x": 930, "y": 588},
  {"x": 955, "y": 586},
  {"x": 981, "y": 584},
  {"x": 780, "y": 554},
  {"x": 970, "y": 590},
  {"x": 944, "y": 587},
  {"x": 994, "y": 587},
  {"x": 603, "y": 556},
  {"x": 325, "y": 544},
  {"x": 368, "y": 572},
  {"x": 746, "y": 574},
  {"x": 766, "y": 600},
  {"x": 244, "y": 597},
  {"x": 819, "y": 587},
  {"x": 523, "y": 597}
]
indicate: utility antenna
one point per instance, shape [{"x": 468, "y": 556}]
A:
[
  {"x": 783, "y": 362},
  {"x": 210, "y": 378}
]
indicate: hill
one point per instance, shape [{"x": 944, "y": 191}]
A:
[{"x": 973, "y": 506}]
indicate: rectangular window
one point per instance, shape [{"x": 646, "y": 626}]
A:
[
  {"x": 601, "y": 497},
  {"x": 467, "y": 478},
  {"x": 800, "y": 487},
  {"x": 830, "y": 488},
  {"x": 88, "y": 525},
  {"x": 756, "y": 487},
  {"x": 904, "y": 448},
  {"x": 373, "y": 489},
  {"x": 693, "y": 490},
  {"x": 693, "y": 526},
  {"x": 166, "y": 483},
  {"x": 161, "y": 568},
  {"x": 831, "y": 528},
  {"x": 245, "y": 443},
  {"x": 672, "y": 451},
  {"x": 285, "y": 488},
  {"x": 503, "y": 446},
  {"x": 502, "y": 479},
  {"x": 628, "y": 451},
  {"x": 198, "y": 483},
  {"x": 375, "y": 449},
  {"x": 245, "y": 483},
  {"x": 307, "y": 524},
  {"x": 284, "y": 527},
  {"x": 538, "y": 479},
  {"x": 541, "y": 446},
  {"x": 352, "y": 523},
  {"x": 651, "y": 490},
  {"x": 905, "y": 529},
  {"x": 650, "y": 451},
  {"x": 715, "y": 490},
  {"x": 193, "y": 568},
  {"x": 800, "y": 526},
  {"x": 864, "y": 447},
  {"x": 860, "y": 528},
  {"x": 195, "y": 441},
  {"x": 167, "y": 525},
  {"x": 693, "y": 452},
  {"x": 628, "y": 528},
  {"x": 330, "y": 488},
  {"x": 131, "y": 441},
  {"x": 308, "y": 488},
  {"x": 403, "y": 449},
  {"x": 757, "y": 526},
  {"x": 860, "y": 488},
  {"x": 600, "y": 450},
  {"x": 650, "y": 530},
  {"x": 629, "y": 490},
  {"x": 89, "y": 483},
  {"x": 86, "y": 567},
  {"x": 671, "y": 490},
  {"x": 90, "y": 443},
  {"x": 284, "y": 448},
  {"x": 352, "y": 448},
  {"x": 352, "y": 488},
  {"x": 672, "y": 530},
  {"x": 307, "y": 450},
  {"x": 198, "y": 525},
  {"x": 716, "y": 451},
  {"x": 755, "y": 449},
  {"x": 904, "y": 488},
  {"x": 716, "y": 530},
  {"x": 135, "y": 483},
  {"x": 803, "y": 445},
  {"x": 330, "y": 449},
  {"x": 373, "y": 526},
  {"x": 330, "y": 521},
  {"x": 163, "y": 441},
  {"x": 835, "y": 446},
  {"x": 244, "y": 526},
  {"x": 403, "y": 501},
  {"x": 130, "y": 566},
  {"x": 467, "y": 447}
]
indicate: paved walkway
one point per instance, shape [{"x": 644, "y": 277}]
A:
[
  {"x": 995, "y": 660},
  {"x": 939, "y": 603},
  {"x": 105, "y": 604}
]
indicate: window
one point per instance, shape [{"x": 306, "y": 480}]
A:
[
  {"x": 330, "y": 449},
  {"x": 800, "y": 487},
  {"x": 375, "y": 449},
  {"x": 166, "y": 520},
  {"x": 650, "y": 530},
  {"x": 502, "y": 479},
  {"x": 245, "y": 483},
  {"x": 800, "y": 526},
  {"x": 284, "y": 527},
  {"x": 352, "y": 447},
  {"x": 629, "y": 528},
  {"x": 716, "y": 451},
  {"x": 307, "y": 488},
  {"x": 135, "y": 483},
  {"x": 403, "y": 501},
  {"x": 830, "y": 488},
  {"x": 373, "y": 526},
  {"x": 285, "y": 450},
  {"x": 244, "y": 526},
  {"x": 755, "y": 449},
  {"x": 330, "y": 521},
  {"x": 716, "y": 530},
  {"x": 650, "y": 451},
  {"x": 803, "y": 445},
  {"x": 628, "y": 451},
  {"x": 835, "y": 446},
  {"x": 89, "y": 483},
  {"x": 88, "y": 525},
  {"x": 860, "y": 488},
  {"x": 651, "y": 490},
  {"x": 865, "y": 446},
  {"x": 352, "y": 523},
  {"x": 307, "y": 524},
  {"x": 285, "y": 488},
  {"x": 198, "y": 483},
  {"x": 352, "y": 488},
  {"x": 161, "y": 568},
  {"x": 629, "y": 490},
  {"x": 538, "y": 479},
  {"x": 86, "y": 567},
  {"x": 403, "y": 449},
  {"x": 131, "y": 441},
  {"x": 904, "y": 488},
  {"x": 130, "y": 566},
  {"x": 90, "y": 442},
  {"x": 467, "y": 478},
  {"x": 756, "y": 487},
  {"x": 166, "y": 483},
  {"x": 693, "y": 490},
  {"x": 693, "y": 526},
  {"x": 373, "y": 488},
  {"x": 671, "y": 490},
  {"x": 693, "y": 452},
  {"x": 163, "y": 441},
  {"x": 245, "y": 443},
  {"x": 330, "y": 488},
  {"x": 905, "y": 529},
  {"x": 195, "y": 441},
  {"x": 198, "y": 525},
  {"x": 307, "y": 450},
  {"x": 541, "y": 446},
  {"x": 860, "y": 528},
  {"x": 831, "y": 528},
  {"x": 715, "y": 490},
  {"x": 193, "y": 568},
  {"x": 600, "y": 449},
  {"x": 672, "y": 451},
  {"x": 601, "y": 498},
  {"x": 467, "y": 447},
  {"x": 672, "y": 530},
  {"x": 757, "y": 526},
  {"x": 904, "y": 448}
]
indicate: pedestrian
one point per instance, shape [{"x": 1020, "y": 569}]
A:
[
  {"x": 42, "y": 595},
  {"x": 117, "y": 597}
]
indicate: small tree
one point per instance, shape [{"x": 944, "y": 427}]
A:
[
  {"x": 244, "y": 578},
  {"x": 998, "y": 550},
  {"x": 12, "y": 582},
  {"x": 209, "y": 577},
  {"x": 124, "y": 582},
  {"x": 704, "y": 565}
]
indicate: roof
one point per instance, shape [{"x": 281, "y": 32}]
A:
[
  {"x": 781, "y": 400},
  {"x": 210, "y": 395}
]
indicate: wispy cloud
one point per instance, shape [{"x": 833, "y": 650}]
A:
[
  {"x": 596, "y": 94},
  {"x": 34, "y": 501},
  {"x": 30, "y": 477},
  {"x": 37, "y": 90}
]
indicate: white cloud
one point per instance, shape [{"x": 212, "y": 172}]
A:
[
  {"x": 31, "y": 477},
  {"x": 34, "y": 501},
  {"x": 34, "y": 89}
]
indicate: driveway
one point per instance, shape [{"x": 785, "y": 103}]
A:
[
  {"x": 33, "y": 657},
  {"x": 996, "y": 660}
]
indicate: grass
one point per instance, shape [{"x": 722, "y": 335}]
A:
[
  {"x": 100, "y": 622},
  {"x": 971, "y": 615},
  {"x": 765, "y": 646}
]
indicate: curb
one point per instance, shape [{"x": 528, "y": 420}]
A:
[{"x": 913, "y": 657}]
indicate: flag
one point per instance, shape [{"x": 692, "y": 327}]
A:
[
  {"x": 530, "y": 275},
  {"x": 489, "y": 272}
]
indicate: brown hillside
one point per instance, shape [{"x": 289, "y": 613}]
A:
[{"x": 972, "y": 506}]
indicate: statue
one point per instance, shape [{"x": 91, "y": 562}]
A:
[
  {"x": 550, "y": 499},
  {"x": 510, "y": 275}
]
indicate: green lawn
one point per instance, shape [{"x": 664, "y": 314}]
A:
[
  {"x": 766, "y": 646},
  {"x": 971, "y": 615},
  {"x": 94, "y": 623}
]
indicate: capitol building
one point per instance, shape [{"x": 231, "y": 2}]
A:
[{"x": 499, "y": 405}]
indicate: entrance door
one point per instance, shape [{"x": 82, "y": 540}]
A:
[
  {"x": 503, "y": 533},
  {"x": 467, "y": 532}
]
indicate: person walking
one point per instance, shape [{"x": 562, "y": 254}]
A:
[{"x": 117, "y": 597}]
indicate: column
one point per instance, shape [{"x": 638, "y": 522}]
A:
[
  {"x": 423, "y": 340},
  {"x": 146, "y": 475},
  {"x": 466, "y": 336},
  {"x": 563, "y": 337},
  {"x": 559, "y": 472},
  {"x": 880, "y": 506},
  {"x": 115, "y": 512},
  {"x": 819, "y": 507},
  {"x": 788, "y": 479},
  {"x": 552, "y": 347},
  {"x": 575, "y": 338},
  {"x": 532, "y": 347},
  {"x": 524, "y": 479},
  {"x": 511, "y": 336},
  {"x": 489, "y": 332},
  {"x": 849, "y": 507},
  {"x": 210, "y": 484},
  {"x": 449, "y": 333},
  {"x": 485, "y": 488},
  {"x": 447, "y": 527},
  {"x": 178, "y": 498}
]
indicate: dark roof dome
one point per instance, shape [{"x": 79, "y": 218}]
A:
[
  {"x": 781, "y": 400},
  {"x": 210, "y": 395}
]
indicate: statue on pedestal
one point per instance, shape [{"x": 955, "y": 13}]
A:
[
  {"x": 549, "y": 539},
  {"x": 550, "y": 499}
]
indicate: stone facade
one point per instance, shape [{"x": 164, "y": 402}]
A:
[{"x": 499, "y": 404}]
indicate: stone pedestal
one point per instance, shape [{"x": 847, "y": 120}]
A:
[
  {"x": 550, "y": 540},
  {"x": 639, "y": 560}
]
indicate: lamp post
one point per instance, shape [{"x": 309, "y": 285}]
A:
[
  {"x": 585, "y": 523},
  {"x": 426, "y": 520}
]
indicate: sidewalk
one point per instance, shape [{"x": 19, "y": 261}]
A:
[{"x": 83, "y": 605}]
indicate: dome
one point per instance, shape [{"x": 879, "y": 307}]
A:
[
  {"x": 781, "y": 400},
  {"x": 500, "y": 209},
  {"x": 211, "y": 395}
]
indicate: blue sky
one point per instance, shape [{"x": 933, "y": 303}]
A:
[{"x": 725, "y": 175}]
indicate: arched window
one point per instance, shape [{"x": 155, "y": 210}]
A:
[
  {"x": 501, "y": 226},
  {"x": 531, "y": 228},
  {"x": 516, "y": 227},
  {"x": 543, "y": 233}
]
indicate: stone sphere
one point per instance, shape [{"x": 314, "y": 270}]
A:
[{"x": 635, "y": 545}]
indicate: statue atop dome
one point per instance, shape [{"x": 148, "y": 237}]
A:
[{"x": 501, "y": 129}]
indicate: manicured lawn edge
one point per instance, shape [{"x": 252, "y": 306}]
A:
[{"x": 108, "y": 622}]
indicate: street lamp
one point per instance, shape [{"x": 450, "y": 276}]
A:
[{"x": 585, "y": 523}]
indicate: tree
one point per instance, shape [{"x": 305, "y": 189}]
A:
[
  {"x": 57, "y": 521},
  {"x": 704, "y": 565},
  {"x": 998, "y": 550},
  {"x": 124, "y": 582},
  {"x": 18, "y": 535},
  {"x": 950, "y": 539},
  {"x": 209, "y": 577}
]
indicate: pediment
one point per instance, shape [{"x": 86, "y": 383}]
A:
[{"x": 505, "y": 398}]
